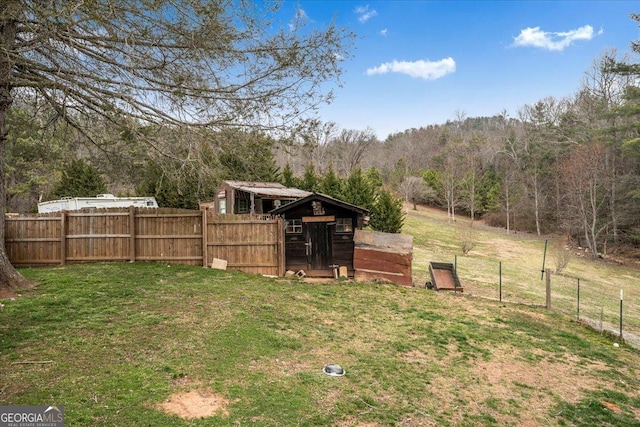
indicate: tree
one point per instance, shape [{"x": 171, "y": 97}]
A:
[
  {"x": 415, "y": 189},
  {"x": 195, "y": 63},
  {"x": 287, "y": 178},
  {"x": 351, "y": 146},
  {"x": 33, "y": 159},
  {"x": 310, "y": 181},
  {"x": 331, "y": 184},
  {"x": 181, "y": 191},
  {"x": 358, "y": 191},
  {"x": 80, "y": 179},
  {"x": 247, "y": 156},
  {"x": 587, "y": 194},
  {"x": 386, "y": 214},
  {"x": 373, "y": 178}
]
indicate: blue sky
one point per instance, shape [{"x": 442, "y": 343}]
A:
[{"x": 416, "y": 63}]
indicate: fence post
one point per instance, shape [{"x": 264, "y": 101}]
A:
[
  {"x": 621, "y": 297},
  {"x": 548, "y": 283},
  {"x": 282, "y": 266},
  {"x": 500, "y": 279},
  {"x": 205, "y": 255},
  {"x": 578, "y": 308},
  {"x": 63, "y": 238},
  {"x": 132, "y": 234}
]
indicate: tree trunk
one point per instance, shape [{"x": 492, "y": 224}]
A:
[
  {"x": 9, "y": 277},
  {"x": 508, "y": 210},
  {"x": 536, "y": 201}
]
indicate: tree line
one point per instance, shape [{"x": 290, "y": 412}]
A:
[
  {"x": 169, "y": 98},
  {"x": 568, "y": 166}
]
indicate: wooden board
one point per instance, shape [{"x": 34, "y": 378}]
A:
[
  {"x": 362, "y": 256},
  {"x": 384, "y": 242},
  {"x": 326, "y": 218},
  {"x": 383, "y": 256}
]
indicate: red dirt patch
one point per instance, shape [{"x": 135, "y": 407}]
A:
[
  {"x": 612, "y": 406},
  {"x": 198, "y": 403}
]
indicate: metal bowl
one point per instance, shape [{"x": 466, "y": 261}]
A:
[{"x": 334, "y": 370}]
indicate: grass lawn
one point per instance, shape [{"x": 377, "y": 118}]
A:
[{"x": 121, "y": 340}]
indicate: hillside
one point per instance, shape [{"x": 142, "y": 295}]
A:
[{"x": 520, "y": 257}]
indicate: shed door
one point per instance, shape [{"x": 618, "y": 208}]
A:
[{"x": 318, "y": 247}]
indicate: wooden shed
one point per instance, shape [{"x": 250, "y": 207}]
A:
[
  {"x": 319, "y": 234},
  {"x": 246, "y": 197}
]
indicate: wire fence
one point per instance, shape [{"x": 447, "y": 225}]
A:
[{"x": 611, "y": 308}]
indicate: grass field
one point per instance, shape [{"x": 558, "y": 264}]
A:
[
  {"x": 520, "y": 257},
  {"x": 126, "y": 344}
]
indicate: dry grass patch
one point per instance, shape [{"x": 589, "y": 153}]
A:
[{"x": 199, "y": 403}]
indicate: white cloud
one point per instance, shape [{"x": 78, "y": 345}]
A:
[
  {"x": 365, "y": 13},
  {"x": 383, "y": 32},
  {"x": 535, "y": 37},
  {"x": 427, "y": 70}
]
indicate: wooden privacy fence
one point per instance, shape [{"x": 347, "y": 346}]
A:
[{"x": 167, "y": 235}]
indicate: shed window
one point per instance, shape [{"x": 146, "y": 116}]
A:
[
  {"x": 243, "y": 206},
  {"x": 344, "y": 225},
  {"x": 293, "y": 226}
]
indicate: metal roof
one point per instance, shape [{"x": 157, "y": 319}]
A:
[
  {"x": 322, "y": 197},
  {"x": 269, "y": 189}
]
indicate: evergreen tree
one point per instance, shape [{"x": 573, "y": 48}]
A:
[
  {"x": 310, "y": 180},
  {"x": 387, "y": 215},
  {"x": 358, "y": 191},
  {"x": 248, "y": 157},
  {"x": 374, "y": 179},
  {"x": 80, "y": 179},
  {"x": 182, "y": 192},
  {"x": 287, "y": 179},
  {"x": 331, "y": 184},
  {"x": 631, "y": 108}
]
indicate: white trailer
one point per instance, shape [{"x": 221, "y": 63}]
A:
[{"x": 100, "y": 201}]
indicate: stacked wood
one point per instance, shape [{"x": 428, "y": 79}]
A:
[{"x": 383, "y": 256}]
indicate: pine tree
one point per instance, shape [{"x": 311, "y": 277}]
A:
[
  {"x": 387, "y": 215},
  {"x": 374, "y": 179},
  {"x": 310, "y": 180},
  {"x": 331, "y": 184},
  {"x": 80, "y": 179},
  {"x": 358, "y": 191},
  {"x": 287, "y": 179}
]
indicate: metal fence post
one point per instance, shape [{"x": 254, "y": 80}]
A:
[
  {"x": 500, "y": 279},
  {"x": 578, "y": 309},
  {"x": 548, "y": 283},
  {"x": 621, "y": 298}
]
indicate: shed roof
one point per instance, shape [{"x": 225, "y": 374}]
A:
[
  {"x": 322, "y": 197},
  {"x": 270, "y": 189}
]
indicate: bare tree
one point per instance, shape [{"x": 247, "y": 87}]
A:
[
  {"x": 414, "y": 189},
  {"x": 316, "y": 144},
  {"x": 197, "y": 63},
  {"x": 349, "y": 148},
  {"x": 586, "y": 185}
]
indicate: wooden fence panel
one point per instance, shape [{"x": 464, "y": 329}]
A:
[
  {"x": 248, "y": 244},
  {"x": 33, "y": 240},
  {"x": 99, "y": 235},
  {"x": 253, "y": 245},
  {"x": 171, "y": 237}
]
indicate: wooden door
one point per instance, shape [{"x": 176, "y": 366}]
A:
[{"x": 318, "y": 246}]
